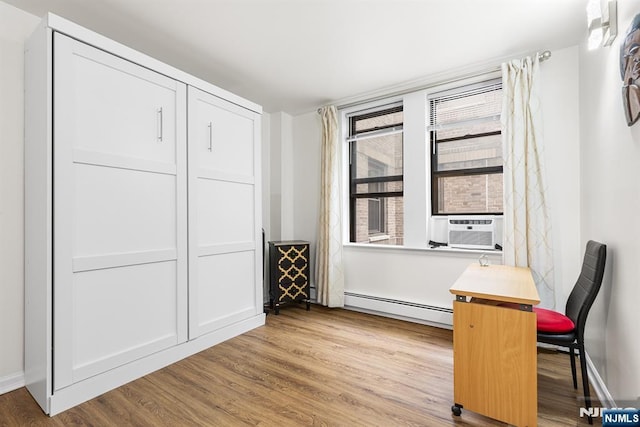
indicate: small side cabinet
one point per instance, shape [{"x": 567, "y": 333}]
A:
[{"x": 289, "y": 273}]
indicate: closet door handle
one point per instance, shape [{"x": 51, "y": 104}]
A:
[
  {"x": 160, "y": 124},
  {"x": 210, "y": 136}
]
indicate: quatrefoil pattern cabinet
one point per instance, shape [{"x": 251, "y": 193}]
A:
[{"x": 289, "y": 272}]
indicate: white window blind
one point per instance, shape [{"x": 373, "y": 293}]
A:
[{"x": 466, "y": 107}]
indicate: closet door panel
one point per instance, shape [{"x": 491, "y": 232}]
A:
[
  {"x": 120, "y": 219},
  {"x": 226, "y": 291},
  {"x": 225, "y": 205},
  {"x": 122, "y": 211},
  {"x": 223, "y": 135},
  {"x": 128, "y": 111},
  {"x": 137, "y": 301},
  {"x": 223, "y": 231}
]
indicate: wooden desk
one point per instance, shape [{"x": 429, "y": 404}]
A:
[{"x": 494, "y": 347}]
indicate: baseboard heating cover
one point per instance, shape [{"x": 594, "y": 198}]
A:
[{"x": 405, "y": 310}]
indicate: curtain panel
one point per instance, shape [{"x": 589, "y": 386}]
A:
[
  {"x": 527, "y": 226},
  {"x": 329, "y": 262}
]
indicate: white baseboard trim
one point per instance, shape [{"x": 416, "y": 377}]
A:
[
  {"x": 11, "y": 382},
  {"x": 606, "y": 400},
  {"x": 441, "y": 317}
]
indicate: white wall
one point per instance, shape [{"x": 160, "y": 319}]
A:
[
  {"x": 421, "y": 276},
  {"x": 291, "y": 153},
  {"x": 15, "y": 26},
  {"x": 560, "y": 98},
  {"x": 306, "y": 180},
  {"x": 281, "y": 166},
  {"x": 266, "y": 196},
  {"x": 610, "y": 155}
]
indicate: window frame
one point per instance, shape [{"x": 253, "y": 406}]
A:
[
  {"x": 461, "y": 172},
  {"x": 352, "y": 138}
]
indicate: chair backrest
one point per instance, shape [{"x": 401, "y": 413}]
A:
[{"x": 586, "y": 288}]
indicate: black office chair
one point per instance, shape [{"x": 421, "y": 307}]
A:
[{"x": 568, "y": 330}]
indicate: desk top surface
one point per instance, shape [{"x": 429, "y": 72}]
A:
[{"x": 497, "y": 282}]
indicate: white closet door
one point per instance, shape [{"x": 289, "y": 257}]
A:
[
  {"x": 120, "y": 231},
  {"x": 224, "y": 237}
]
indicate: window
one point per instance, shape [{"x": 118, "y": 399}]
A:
[
  {"x": 375, "y": 171},
  {"x": 466, "y": 150}
]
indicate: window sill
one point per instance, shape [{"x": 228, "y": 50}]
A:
[{"x": 443, "y": 250}]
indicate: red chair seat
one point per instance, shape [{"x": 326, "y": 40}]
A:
[
  {"x": 548, "y": 321},
  {"x": 552, "y": 321}
]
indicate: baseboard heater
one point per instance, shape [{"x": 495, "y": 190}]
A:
[{"x": 407, "y": 310}]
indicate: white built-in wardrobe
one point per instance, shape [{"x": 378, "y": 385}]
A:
[{"x": 142, "y": 223}]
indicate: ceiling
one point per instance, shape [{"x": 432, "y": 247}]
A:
[{"x": 296, "y": 55}]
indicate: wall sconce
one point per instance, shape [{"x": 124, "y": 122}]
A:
[{"x": 603, "y": 26}]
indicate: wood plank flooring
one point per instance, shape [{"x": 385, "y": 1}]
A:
[{"x": 325, "y": 367}]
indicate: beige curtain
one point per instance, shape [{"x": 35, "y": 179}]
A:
[
  {"x": 329, "y": 272},
  {"x": 527, "y": 227}
]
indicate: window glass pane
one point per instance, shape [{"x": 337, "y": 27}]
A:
[
  {"x": 469, "y": 153},
  {"x": 379, "y": 156},
  {"x": 470, "y": 194},
  {"x": 379, "y": 220},
  {"x": 376, "y": 215},
  {"x": 368, "y": 123}
]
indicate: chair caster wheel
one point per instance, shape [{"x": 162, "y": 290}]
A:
[{"x": 457, "y": 410}]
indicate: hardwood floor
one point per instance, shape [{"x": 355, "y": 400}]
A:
[{"x": 325, "y": 367}]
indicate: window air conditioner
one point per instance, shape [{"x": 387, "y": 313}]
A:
[{"x": 472, "y": 232}]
